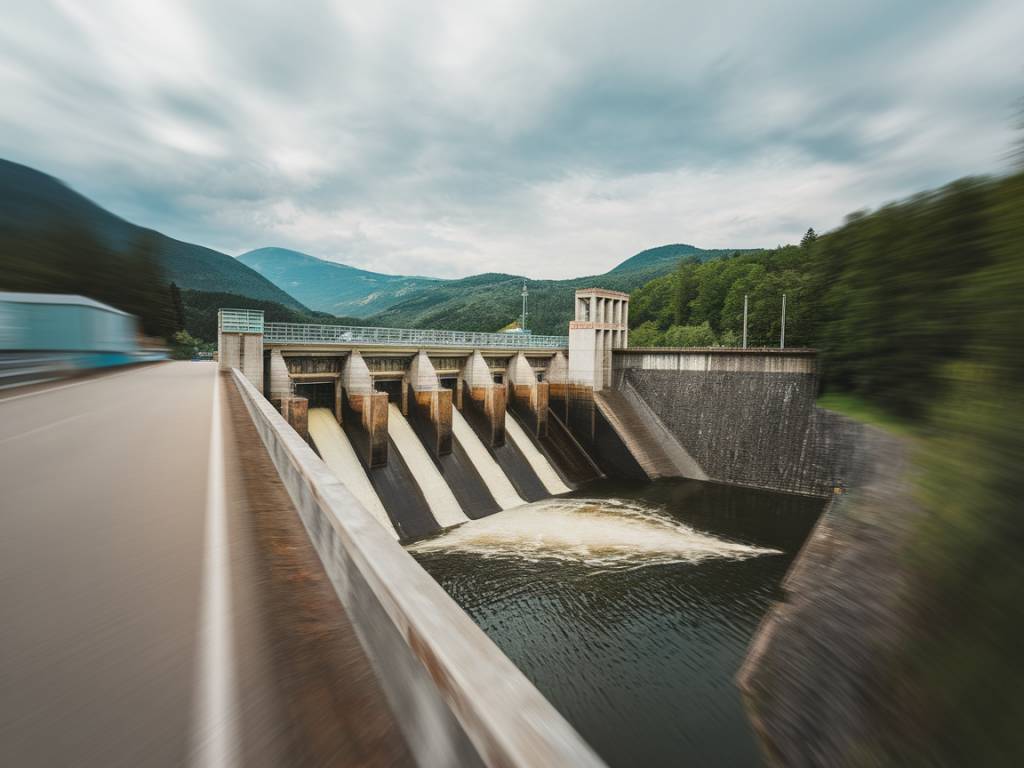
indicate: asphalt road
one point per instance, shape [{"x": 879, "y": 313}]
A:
[{"x": 159, "y": 603}]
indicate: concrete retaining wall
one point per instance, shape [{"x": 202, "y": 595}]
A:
[
  {"x": 459, "y": 700},
  {"x": 747, "y": 417}
]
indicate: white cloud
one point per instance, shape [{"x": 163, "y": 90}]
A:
[{"x": 528, "y": 137}]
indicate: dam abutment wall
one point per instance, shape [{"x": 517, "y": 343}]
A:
[{"x": 746, "y": 417}]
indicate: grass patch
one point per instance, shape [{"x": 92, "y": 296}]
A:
[{"x": 859, "y": 409}]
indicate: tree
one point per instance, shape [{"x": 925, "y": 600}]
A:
[
  {"x": 809, "y": 237},
  {"x": 690, "y": 336},
  {"x": 686, "y": 286},
  {"x": 178, "y": 307},
  {"x": 646, "y": 335}
]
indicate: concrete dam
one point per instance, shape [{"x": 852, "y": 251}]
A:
[{"x": 615, "y": 521}]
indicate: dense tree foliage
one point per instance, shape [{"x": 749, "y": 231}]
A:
[
  {"x": 67, "y": 258},
  {"x": 883, "y": 297},
  {"x": 702, "y": 303},
  {"x": 916, "y": 308},
  {"x": 201, "y": 308}
]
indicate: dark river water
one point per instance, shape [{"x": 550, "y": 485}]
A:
[{"x": 631, "y": 607}]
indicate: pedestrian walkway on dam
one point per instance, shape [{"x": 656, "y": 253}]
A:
[{"x": 162, "y": 602}]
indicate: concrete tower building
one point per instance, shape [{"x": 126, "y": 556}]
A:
[{"x": 601, "y": 325}]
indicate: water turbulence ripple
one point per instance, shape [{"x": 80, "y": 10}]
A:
[
  {"x": 631, "y": 607},
  {"x": 603, "y": 533}
]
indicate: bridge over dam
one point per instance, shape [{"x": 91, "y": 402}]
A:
[{"x": 222, "y": 544}]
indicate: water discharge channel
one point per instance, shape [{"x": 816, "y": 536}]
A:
[{"x": 630, "y": 606}]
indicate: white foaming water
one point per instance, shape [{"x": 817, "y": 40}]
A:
[{"x": 608, "y": 533}]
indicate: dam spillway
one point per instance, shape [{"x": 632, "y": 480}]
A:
[
  {"x": 540, "y": 464},
  {"x": 440, "y": 498},
  {"x": 497, "y": 483},
  {"x": 520, "y": 478},
  {"x": 416, "y": 494},
  {"x": 338, "y": 455}
]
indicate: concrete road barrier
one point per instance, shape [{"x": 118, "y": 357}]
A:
[{"x": 457, "y": 697}]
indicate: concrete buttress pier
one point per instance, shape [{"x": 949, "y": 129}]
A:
[
  {"x": 296, "y": 412},
  {"x": 484, "y": 407},
  {"x": 429, "y": 405},
  {"x": 557, "y": 377},
  {"x": 280, "y": 380},
  {"x": 529, "y": 397},
  {"x": 365, "y": 412}
]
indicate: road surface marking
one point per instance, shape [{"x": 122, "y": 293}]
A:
[{"x": 215, "y": 740}]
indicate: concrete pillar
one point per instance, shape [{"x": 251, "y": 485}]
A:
[
  {"x": 240, "y": 343},
  {"x": 252, "y": 359},
  {"x": 243, "y": 351},
  {"x": 296, "y": 412},
  {"x": 557, "y": 376},
  {"x": 483, "y": 402},
  {"x": 429, "y": 404},
  {"x": 527, "y": 396},
  {"x": 280, "y": 380},
  {"x": 355, "y": 376},
  {"x": 365, "y": 412}
]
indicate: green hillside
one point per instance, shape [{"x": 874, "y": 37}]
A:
[
  {"x": 488, "y": 302},
  {"x": 330, "y": 287},
  {"x": 201, "y": 312},
  {"x": 656, "y": 258},
  {"x": 483, "y": 302},
  {"x": 41, "y": 216}
]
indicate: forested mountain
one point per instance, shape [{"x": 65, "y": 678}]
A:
[
  {"x": 665, "y": 258},
  {"x": 327, "y": 286},
  {"x": 200, "y": 310},
  {"x": 55, "y": 240},
  {"x": 490, "y": 301},
  {"x": 480, "y": 303}
]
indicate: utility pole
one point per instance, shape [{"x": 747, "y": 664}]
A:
[
  {"x": 744, "y": 321},
  {"x": 522, "y": 324},
  {"x": 782, "y": 336}
]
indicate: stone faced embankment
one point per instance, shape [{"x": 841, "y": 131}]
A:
[
  {"x": 822, "y": 680},
  {"x": 746, "y": 417}
]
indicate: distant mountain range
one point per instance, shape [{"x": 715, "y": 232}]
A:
[
  {"x": 331, "y": 287},
  {"x": 37, "y": 209},
  {"x": 483, "y": 302},
  {"x": 34, "y": 206}
]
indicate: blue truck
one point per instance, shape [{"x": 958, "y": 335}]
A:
[{"x": 45, "y": 335}]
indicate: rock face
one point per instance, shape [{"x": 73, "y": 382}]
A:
[{"x": 819, "y": 682}]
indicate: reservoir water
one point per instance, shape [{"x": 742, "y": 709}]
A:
[{"x": 630, "y": 606}]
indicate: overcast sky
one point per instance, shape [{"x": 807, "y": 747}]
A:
[{"x": 546, "y": 138}]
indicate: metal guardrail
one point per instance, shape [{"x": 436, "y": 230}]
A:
[
  {"x": 240, "y": 320},
  {"x": 297, "y": 333}
]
